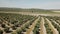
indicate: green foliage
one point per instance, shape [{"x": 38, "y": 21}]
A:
[
  {"x": 14, "y": 21},
  {"x": 36, "y": 29},
  {"x": 1, "y": 31}
]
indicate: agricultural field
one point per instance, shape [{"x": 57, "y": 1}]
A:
[
  {"x": 29, "y": 24},
  {"x": 29, "y": 16}
]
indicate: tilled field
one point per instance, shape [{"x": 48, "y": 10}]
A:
[{"x": 28, "y": 24}]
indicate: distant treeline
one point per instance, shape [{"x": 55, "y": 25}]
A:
[{"x": 20, "y": 10}]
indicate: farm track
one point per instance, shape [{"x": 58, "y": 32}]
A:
[
  {"x": 52, "y": 27},
  {"x": 30, "y": 31},
  {"x": 43, "y": 29},
  {"x": 33, "y": 14}
]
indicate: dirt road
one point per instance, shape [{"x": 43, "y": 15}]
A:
[
  {"x": 43, "y": 29},
  {"x": 33, "y": 14}
]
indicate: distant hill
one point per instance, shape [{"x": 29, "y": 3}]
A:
[
  {"x": 33, "y": 10},
  {"x": 55, "y": 9},
  {"x": 20, "y": 9}
]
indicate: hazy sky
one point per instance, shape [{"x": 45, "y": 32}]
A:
[{"x": 42, "y": 4}]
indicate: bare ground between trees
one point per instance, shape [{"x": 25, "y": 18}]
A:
[
  {"x": 30, "y": 31},
  {"x": 52, "y": 27},
  {"x": 43, "y": 29}
]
